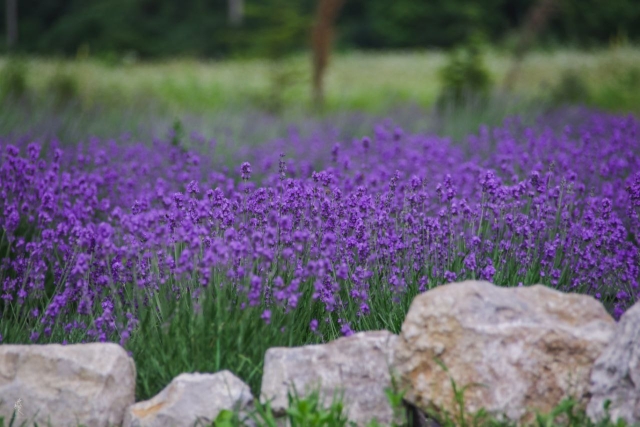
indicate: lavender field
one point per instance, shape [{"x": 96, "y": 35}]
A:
[{"x": 191, "y": 265}]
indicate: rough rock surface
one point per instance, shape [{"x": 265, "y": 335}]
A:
[
  {"x": 358, "y": 365},
  {"x": 92, "y": 384},
  {"x": 529, "y": 346},
  {"x": 616, "y": 373},
  {"x": 190, "y": 399}
]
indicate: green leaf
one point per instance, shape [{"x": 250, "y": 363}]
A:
[{"x": 224, "y": 419}]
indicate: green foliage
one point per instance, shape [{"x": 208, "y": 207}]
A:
[
  {"x": 418, "y": 24},
  {"x": 177, "y": 133},
  {"x": 11, "y": 421},
  {"x": 276, "y": 37},
  {"x": 226, "y": 418},
  {"x": 283, "y": 77},
  {"x": 263, "y": 415},
  {"x": 592, "y": 22},
  {"x": 280, "y": 27},
  {"x": 465, "y": 77},
  {"x": 395, "y": 396},
  {"x": 151, "y": 28},
  {"x": 621, "y": 92},
  {"x": 172, "y": 340},
  {"x": 308, "y": 411},
  {"x": 155, "y": 28},
  {"x": 13, "y": 79},
  {"x": 568, "y": 414},
  {"x": 461, "y": 417},
  {"x": 565, "y": 414}
]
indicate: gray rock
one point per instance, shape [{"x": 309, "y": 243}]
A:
[
  {"x": 92, "y": 384},
  {"x": 190, "y": 399},
  {"x": 616, "y": 373},
  {"x": 358, "y": 365},
  {"x": 523, "y": 348}
]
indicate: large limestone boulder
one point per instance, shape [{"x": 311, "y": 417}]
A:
[
  {"x": 91, "y": 384},
  {"x": 358, "y": 365},
  {"x": 190, "y": 399},
  {"x": 528, "y": 346},
  {"x": 616, "y": 373}
]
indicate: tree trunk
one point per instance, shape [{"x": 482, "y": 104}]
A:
[
  {"x": 12, "y": 23},
  {"x": 322, "y": 37},
  {"x": 236, "y": 12},
  {"x": 537, "y": 18}
]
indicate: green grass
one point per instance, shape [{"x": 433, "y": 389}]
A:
[
  {"x": 226, "y": 100},
  {"x": 211, "y": 333},
  {"x": 72, "y": 123},
  {"x": 374, "y": 82}
]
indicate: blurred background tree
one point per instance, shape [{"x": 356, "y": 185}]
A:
[
  {"x": 537, "y": 19},
  {"x": 465, "y": 77},
  {"x": 220, "y": 28},
  {"x": 11, "y": 19},
  {"x": 236, "y": 11},
  {"x": 280, "y": 28}
]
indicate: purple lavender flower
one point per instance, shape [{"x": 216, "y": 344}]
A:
[
  {"x": 346, "y": 330},
  {"x": 352, "y": 220},
  {"x": 282, "y": 167},
  {"x": 266, "y": 316},
  {"x": 246, "y": 171},
  {"x": 192, "y": 187},
  {"x": 488, "y": 272},
  {"x": 450, "y": 276},
  {"x": 366, "y": 141}
]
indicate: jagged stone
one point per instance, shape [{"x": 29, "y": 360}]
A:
[
  {"x": 91, "y": 384},
  {"x": 616, "y": 373},
  {"x": 529, "y": 346},
  {"x": 358, "y": 365},
  {"x": 190, "y": 399}
]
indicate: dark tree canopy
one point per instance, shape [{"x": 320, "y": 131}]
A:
[{"x": 156, "y": 28}]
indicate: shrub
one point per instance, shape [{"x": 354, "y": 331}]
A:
[{"x": 465, "y": 75}]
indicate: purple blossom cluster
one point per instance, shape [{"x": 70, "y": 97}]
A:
[{"x": 382, "y": 215}]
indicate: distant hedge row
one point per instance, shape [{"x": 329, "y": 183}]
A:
[{"x": 155, "y": 28}]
